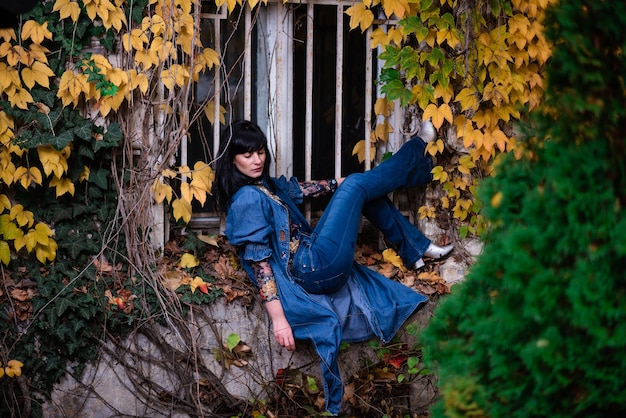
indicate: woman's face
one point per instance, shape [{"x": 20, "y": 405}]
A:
[{"x": 251, "y": 163}]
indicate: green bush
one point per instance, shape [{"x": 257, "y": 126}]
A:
[{"x": 539, "y": 325}]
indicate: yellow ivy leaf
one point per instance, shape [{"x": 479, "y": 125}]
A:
[
  {"x": 7, "y": 173},
  {"x": 138, "y": 80},
  {"x": 15, "y": 54},
  {"x": 379, "y": 37},
  {"x": 8, "y": 229},
  {"x": 520, "y": 41},
  {"x": 176, "y": 75},
  {"x": 359, "y": 150},
  {"x": 445, "y": 93},
  {"x": 170, "y": 174},
  {"x": 35, "y": 31},
  {"x": 207, "y": 59},
  {"x": 360, "y": 16},
  {"x": 431, "y": 38},
  {"x": 190, "y": 191},
  {"x": 253, "y": 3},
  {"x": 395, "y": 7},
  {"x": 435, "y": 147},
  {"x": 46, "y": 253},
  {"x": 390, "y": 256},
  {"x": 473, "y": 137},
  {"x": 188, "y": 261},
  {"x": 38, "y": 73},
  {"x": 84, "y": 175},
  {"x": 67, "y": 8},
  {"x": 21, "y": 216},
  {"x": 395, "y": 35},
  {"x": 161, "y": 191},
  {"x": 519, "y": 23},
  {"x": 210, "y": 57},
  {"x": 182, "y": 210},
  {"x": 426, "y": 212},
  {"x": 117, "y": 76},
  {"x": 8, "y": 34},
  {"x": 16, "y": 368},
  {"x": 114, "y": 18},
  {"x": 146, "y": 58},
  {"x": 63, "y": 185},
  {"x": 52, "y": 160},
  {"x": 198, "y": 283},
  {"x": 468, "y": 99},
  {"x": 136, "y": 39},
  {"x": 383, "y": 107},
  {"x": 465, "y": 164},
  {"x": 438, "y": 114},
  {"x": 382, "y": 130},
  {"x": 423, "y": 94},
  {"x": 20, "y": 98},
  {"x": 461, "y": 209},
  {"x": 27, "y": 175},
  {"x": 209, "y": 112},
  {"x": 71, "y": 87},
  {"x": 5, "y": 255},
  {"x": 157, "y": 25},
  {"x": 29, "y": 240},
  {"x": 203, "y": 176},
  {"x": 5, "y": 203},
  {"x": 8, "y": 77},
  {"x": 92, "y": 8},
  {"x": 439, "y": 174},
  {"x": 449, "y": 35},
  {"x": 500, "y": 139},
  {"x": 38, "y": 52},
  {"x": 43, "y": 233}
]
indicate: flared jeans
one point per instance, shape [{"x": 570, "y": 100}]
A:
[{"x": 324, "y": 260}]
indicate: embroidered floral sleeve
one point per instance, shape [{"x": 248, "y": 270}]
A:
[
  {"x": 315, "y": 188},
  {"x": 264, "y": 277}
]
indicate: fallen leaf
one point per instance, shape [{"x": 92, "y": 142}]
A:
[
  {"x": 388, "y": 270},
  {"x": 208, "y": 239}
]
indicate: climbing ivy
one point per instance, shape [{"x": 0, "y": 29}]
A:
[{"x": 473, "y": 68}]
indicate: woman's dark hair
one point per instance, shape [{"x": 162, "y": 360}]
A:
[{"x": 238, "y": 138}]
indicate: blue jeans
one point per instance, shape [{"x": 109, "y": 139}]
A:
[{"x": 324, "y": 259}]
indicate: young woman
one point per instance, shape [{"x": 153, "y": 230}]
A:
[{"x": 309, "y": 282}]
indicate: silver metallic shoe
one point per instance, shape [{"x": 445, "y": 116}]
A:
[
  {"x": 435, "y": 251},
  {"x": 418, "y": 264}
]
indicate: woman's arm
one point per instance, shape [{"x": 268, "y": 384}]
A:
[
  {"x": 264, "y": 277},
  {"x": 316, "y": 188}
]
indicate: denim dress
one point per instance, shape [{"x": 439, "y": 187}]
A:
[{"x": 368, "y": 305}]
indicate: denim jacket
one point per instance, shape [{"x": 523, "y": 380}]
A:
[{"x": 369, "y": 305}]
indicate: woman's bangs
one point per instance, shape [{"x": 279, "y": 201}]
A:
[{"x": 247, "y": 141}]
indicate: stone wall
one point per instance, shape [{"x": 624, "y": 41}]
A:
[{"x": 156, "y": 357}]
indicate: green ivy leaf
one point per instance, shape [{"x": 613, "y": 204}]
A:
[
  {"x": 60, "y": 141},
  {"x": 232, "y": 341},
  {"x": 100, "y": 178},
  {"x": 391, "y": 56},
  {"x": 62, "y": 304},
  {"x": 396, "y": 90},
  {"x": 84, "y": 129}
]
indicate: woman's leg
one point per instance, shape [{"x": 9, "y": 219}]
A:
[
  {"x": 323, "y": 262},
  {"x": 405, "y": 236}
]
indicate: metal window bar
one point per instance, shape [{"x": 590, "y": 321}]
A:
[{"x": 279, "y": 38}]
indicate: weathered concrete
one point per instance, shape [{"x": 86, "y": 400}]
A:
[{"x": 106, "y": 389}]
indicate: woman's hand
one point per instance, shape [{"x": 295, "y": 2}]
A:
[
  {"x": 282, "y": 329},
  {"x": 284, "y": 335}
]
